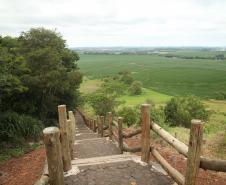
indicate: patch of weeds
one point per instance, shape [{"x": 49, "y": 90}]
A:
[{"x": 7, "y": 152}]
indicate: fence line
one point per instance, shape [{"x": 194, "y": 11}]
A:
[
  {"x": 59, "y": 144},
  {"x": 191, "y": 152}
]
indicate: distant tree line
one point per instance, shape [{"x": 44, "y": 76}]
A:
[{"x": 216, "y": 57}]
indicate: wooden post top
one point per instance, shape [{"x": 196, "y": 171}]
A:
[
  {"x": 120, "y": 118},
  {"x": 102, "y": 116},
  {"x": 196, "y": 121},
  {"x": 109, "y": 113},
  {"x": 60, "y": 106},
  {"x": 145, "y": 105},
  {"x": 51, "y": 130}
]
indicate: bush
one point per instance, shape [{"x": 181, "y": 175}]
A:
[
  {"x": 103, "y": 103},
  {"x": 220, "y": 95},
  {"x": 158, "y": 115},
  {"x": 181, "y": 110},
  {"x": 136, "y": 88},
  {"x": 15, "y": 127},
  {"x": 130, "y": 115}
]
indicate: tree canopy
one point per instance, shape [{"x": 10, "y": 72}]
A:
[{"x": 38, "y": 72}]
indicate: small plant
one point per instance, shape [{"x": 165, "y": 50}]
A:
[
  {"x": 158, "y": 115},
  {"x": 15, "y": 127},
  {"x": 130, "y": 115}
]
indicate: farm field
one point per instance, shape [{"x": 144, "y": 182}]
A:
[
  {"x": 171, "y": 76},
  {"x": 164, "y": 78}
]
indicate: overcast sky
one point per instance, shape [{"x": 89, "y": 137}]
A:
[{"x": 120, "y": 22}]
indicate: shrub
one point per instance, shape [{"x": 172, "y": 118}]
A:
[
  {"x": 103, "y": 103},
  {"x": 158, "y": 115},
  {"x": 130, "y": 115},
  {"x": 16, "y": 127},
  {"x": 136, "y": 88},
  {"x": 220, "y": 95},
  {"x": 181, "y": 110}
]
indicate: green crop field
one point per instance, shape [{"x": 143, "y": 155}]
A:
[{"x": 171, "y": 76}]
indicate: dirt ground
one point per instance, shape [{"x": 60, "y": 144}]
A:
[{"x": 23, "y": 170}]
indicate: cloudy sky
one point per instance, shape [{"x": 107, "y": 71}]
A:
[{"x": 120, "y": 22}]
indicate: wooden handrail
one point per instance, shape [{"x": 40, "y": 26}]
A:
[
  {"x": 115, "y": 123},
  {"x": 129, "y": 149},
  {"x": 131, "y": 134},
  {"x": 205, "y": 163},
  {"x": 178, "y": 145},
  {"x": 176, "y": 175},
  {"x": 213, "y": 164}
]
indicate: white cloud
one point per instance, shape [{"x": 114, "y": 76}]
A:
[{"x": 121, "y": 22}]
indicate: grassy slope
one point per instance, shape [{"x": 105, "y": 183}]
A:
[
  {"x": 156, "y": 97},
  {"x": 214, "y": 128},
  {"x": 165, "y": 75}
]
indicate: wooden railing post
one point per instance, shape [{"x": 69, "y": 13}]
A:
[
  {"x": 54, "y": 155},
  {"x": 64, "y": 137},
  {"x": 72, "y": 118},
  {"x": 98, "y": 124},
  {"x": 92, "y": 123},
  {"x": 194, "y": 150},
  {"x": 145, "y": 136},
  {"x": 95, "y": 125},
  {"x": 120, "y": 137},
  {"x": 110, "y": 124},
  {"x": 102, "y": 126},
  {"x": 70, "y": 139}
]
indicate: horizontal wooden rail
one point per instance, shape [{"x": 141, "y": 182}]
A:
[
  {"x": 105, "y": 127},
  {"x": 131, "y": 134},
  {"x": 115, "y": 136},
  {"x": 210, "y": 164},
  {"x": 115, "y": 123},
  {"x": 129, "y": 149},
  {"x": 205, "y": 163},
  {"x": 178, "y": 145},
  {"x": 176, "y": 175}
]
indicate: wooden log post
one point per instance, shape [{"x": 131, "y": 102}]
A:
[
  {"x": 194, "y": 150},
  {"x": 120, "y": 136},
  {"x": 102, "y": 126},
  {"x": 98, "y": 124},
  {"x": 95, "y": 125},
  {"x": 54, "y": 155},
  {"x": 64, "y": 137},
  {"x": 145, "y": 133},
  {"x": 92, "y": 125},
  {"x": 72, "y": 118},
  {"x": 70, "y": 138},
  {"x": 110, "y": 125}
]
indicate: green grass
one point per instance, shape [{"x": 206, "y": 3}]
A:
[
  {"x": 89, "y": 86},
  {"x": 172, "y": 76},
  {"x": 157, "y": 98},
  {"x": 7, "y": 153}
]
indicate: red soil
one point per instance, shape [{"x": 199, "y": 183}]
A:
[{"x": 25, "y": 170}]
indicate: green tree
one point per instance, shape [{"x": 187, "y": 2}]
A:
[
  {"x": 103, "y": 103},
  {"x": 131, "y": 115},
  {"x": 135, "y": 88},
  {"x": 181, "y": 110},
  {"x": 126, "y": 77},
  {"x": 54, "y": 77}
]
